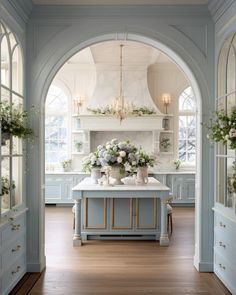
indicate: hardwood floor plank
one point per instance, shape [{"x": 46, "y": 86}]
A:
[{"x": 122, "y": 267}]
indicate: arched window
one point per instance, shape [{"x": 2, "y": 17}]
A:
[
  {"x": 56, "y": 127},
  {"x": 187, "y": 127}
]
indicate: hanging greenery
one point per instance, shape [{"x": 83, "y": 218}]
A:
[
  {"x": 222, "y": 128},
  {"x": 14, "y": 121}
]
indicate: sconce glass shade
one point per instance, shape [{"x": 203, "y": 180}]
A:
[{"x": 166, "y": 98}]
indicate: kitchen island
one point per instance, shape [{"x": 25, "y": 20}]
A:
[{"x": 120, "y": 211}]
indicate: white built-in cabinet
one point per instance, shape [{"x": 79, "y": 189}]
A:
[
  {"x": 225, "y": 198},
  {"x": 12, "y": 200}
]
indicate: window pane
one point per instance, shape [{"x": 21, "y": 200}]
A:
[
  {"x": 5, "y": 63},
  {"x": 187, "y": 100},
  {"x": 17, "y": 73},
  {"x": 56, "y": 126},
  {"x": 5, "y": 183}
]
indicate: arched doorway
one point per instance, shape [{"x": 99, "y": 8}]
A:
[{"x": 194, "y": 84}]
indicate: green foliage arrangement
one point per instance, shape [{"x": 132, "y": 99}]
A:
[
  {"x": 14, "y": 120},
  {"x": 108, "y": 110},
  {"x": 222, "y": 128},
  {"x": 6, "y": 186},
  {"x": 177, "y": 164}
]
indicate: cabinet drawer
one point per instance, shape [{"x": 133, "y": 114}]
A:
[
  {"x": 226, "y": 272},
  {"x": 13, "y": 274},
  {"x": 14, "y": 228},
  {"x": 11, "y": 253},
  {"x": 224, "y": 246},
  {"x": 225, "y": 229}
]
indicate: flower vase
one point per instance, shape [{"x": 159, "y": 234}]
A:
[
  {"x": 115, "y": 173},
  {"x": 4, "y": 138},
  {"x": 142, "y": 175},
  {"x": 95, "y": 175},
  {"x": 6, "y": 201}
]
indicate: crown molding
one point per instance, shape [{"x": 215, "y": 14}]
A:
[
  {"x": 73, "y": 11},
  {"x": 22, "y": 8},
  {"x": 218, "y": 7}
]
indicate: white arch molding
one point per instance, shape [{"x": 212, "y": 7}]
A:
[{"x": 199, "y": 228}]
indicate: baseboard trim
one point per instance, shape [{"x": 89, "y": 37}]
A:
[
  {"x": 36, "y": 267},
  {"x": 204, "y": 266}
]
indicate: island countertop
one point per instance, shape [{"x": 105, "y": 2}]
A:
[{"x": 152, "y": 185}]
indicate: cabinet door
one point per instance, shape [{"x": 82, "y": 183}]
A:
[
  {"x": 95, "y": 215},
  {"x": 146, "y": 213},
  {"x": 182, "y": 187},
  {"x": 121, "y": 213}
]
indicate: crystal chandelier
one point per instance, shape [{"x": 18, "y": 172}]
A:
[{"x": 121, "y": 108}]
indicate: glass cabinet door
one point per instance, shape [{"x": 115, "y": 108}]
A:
[
  {"x": 11, "y": 95},
  {"x": 226, "y": 101}
]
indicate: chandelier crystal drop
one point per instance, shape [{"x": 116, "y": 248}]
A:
[{"x": 122, "y": 109}]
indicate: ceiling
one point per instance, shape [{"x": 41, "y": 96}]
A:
[
  {"x": 108, "y": 53},
  {"x": 120, "y": 2}
]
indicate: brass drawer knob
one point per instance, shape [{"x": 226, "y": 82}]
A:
[
  {"x": 222, "y": 245},
  {"x": 16, "y": 271},
  {"x": 15, "y": 226},
  {"x": 16, "y": 249}
]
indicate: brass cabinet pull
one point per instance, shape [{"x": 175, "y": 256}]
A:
[
  {"x": 16, "y": 271},
  {"x": 222, "y": 224},
  {"x": 222, "y": 245},
  {"x": 221, "y": 266},
  {"x": 16, "y": 249}
]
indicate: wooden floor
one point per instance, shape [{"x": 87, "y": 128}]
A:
[{"x": 127, "y": 267}]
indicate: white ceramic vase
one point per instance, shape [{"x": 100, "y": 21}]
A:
[
  {"x": 95, "y": 175},
  {"x": 115, "y": 173},
  {"x": 142, "y": 175}
]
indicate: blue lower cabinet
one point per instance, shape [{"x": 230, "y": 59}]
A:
[
  {"x": 182, "y": 186},
  {"x": 58, "y": 187},
  {"x": 121, "y": 218}
]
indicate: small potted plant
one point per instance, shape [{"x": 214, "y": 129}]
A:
[
  {"x": 6, "y": 187},
  {"x": 165, "y": 144},
  {"x": 177, "y": 164},
  {"x": 66, "y": 165},
  {"x": 14, "y": 121},
  {"x": 78, "y": 146}
]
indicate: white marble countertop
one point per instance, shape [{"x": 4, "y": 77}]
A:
[
  {"x": 152, "y": 185},
  {"x": 173, "y": 172}
]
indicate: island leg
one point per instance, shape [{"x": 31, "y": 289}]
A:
[
  {"x": 164, "y": 238},
  {"x": 77, "y": 234}
]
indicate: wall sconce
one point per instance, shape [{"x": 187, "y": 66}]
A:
[
  {"x": 78, "y": 103},
  {"x": 166, "y": 99}
]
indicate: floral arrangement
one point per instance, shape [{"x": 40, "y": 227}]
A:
[
  {"x": 144, "y": 159},
  {"x": 165, "y": 143},
  {"x": 14, "y": 121},
  {"x": 223, "y": 128},
  {"x": 6, "y": 185},
  {"x": 91, "y": 161},
  {"x": 109, "y": 110},
  {"x": 231, "y": 181},
  {"x": 120, "y": 154}
]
